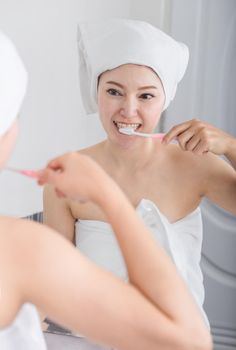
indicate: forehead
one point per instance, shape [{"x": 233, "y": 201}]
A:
[{"x": 139, "y": 74}]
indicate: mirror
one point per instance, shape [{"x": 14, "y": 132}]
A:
[{"x": 53, "y": 106}]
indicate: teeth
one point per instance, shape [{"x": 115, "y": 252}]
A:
[{"x": 123, "y": 125}]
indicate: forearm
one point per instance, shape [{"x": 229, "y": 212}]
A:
[
  {"x": 149, "y": 267},
  {"x": 231, "y": 152}
]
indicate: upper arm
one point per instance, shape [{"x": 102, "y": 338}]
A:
[
  {"x": 75, "y": 283},
  {"x": 57, "y": 213},
  {"x": 221, "y": 183}
]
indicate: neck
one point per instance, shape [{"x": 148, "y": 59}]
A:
[{"x": 132, "y": 157}]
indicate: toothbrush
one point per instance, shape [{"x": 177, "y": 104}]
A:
[
  {"x": 29, "y": 173},
  {"x": 130, "y": 131}
]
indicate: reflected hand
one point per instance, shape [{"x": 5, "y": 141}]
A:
[{"x": 199, "y": 137}]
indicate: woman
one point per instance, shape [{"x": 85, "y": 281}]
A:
[
  {"x": 129, "y": 72},
  {"x": 38, "y": 267}
]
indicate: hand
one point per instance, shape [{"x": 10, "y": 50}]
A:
[
  {"x": 75, "y": 176},
  {"x": 199, "y": 137}
]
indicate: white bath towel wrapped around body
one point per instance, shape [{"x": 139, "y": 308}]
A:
[{"x": 182, "y": 241}]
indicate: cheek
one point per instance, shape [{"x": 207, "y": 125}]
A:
[
  {"x": 103, "y": 110},
  {"x": 154, "y": 119},
  {"x": 154, "y": 111},
  {"x": 107, "y": 107}
]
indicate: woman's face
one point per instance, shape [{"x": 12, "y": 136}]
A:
[
  {"x": 130, "y": 95},
  {"x": 7, "y": 142}
]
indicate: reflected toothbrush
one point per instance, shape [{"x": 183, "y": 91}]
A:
[{"x": 30, "y": 173}]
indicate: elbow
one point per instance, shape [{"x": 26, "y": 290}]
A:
[
  {"x": 201, "y": 341},
  {"x": 207, "y": 343},
  {"x": 185, "y": 339},
  {"x": 196, "y": 338}
]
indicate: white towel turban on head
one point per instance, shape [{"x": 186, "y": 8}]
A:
[
  {"x": 13, "y": 82},
  {"x": 107, "y": 44}
]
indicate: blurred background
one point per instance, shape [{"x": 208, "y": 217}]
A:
[{"x": 53, "y": 121}]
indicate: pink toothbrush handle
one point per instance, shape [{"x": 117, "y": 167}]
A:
[
  {"x": 30, "y": 173},
  {"x": 26, "y": 172},
  {"x": 158, "y": 136}
]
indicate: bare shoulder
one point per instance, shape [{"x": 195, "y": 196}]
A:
[
  {"x": 14, "y": 230},
  {"x": 62, "y": 213},
  {"x": 200, "y": 169},
  {"x": 10, "y": 226},
  {"x": 24, "y": 235},
  {"x": 208, "y": 165},
  {"x": 94, "y": 151},
  {"x": 185, "y": 170},
  {"x": 6, "y": 225},
  {"x": 186, "y": 159},
  {"x": 183, "y": 160}
]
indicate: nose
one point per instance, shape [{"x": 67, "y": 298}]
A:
[{"x": 129, "y": 108}]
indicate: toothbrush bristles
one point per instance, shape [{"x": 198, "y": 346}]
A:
[{"x": 126, "y": 131}]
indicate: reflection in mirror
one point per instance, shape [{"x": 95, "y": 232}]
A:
[{"x": 128, "y": 77}]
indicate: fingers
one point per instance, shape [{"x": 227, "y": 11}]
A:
[
  {"x": 185, "y": 138},
  {"x": 47, "y": 176},
  {"x": 201, "y": 148},
  {"x": 176, "y": 131},
  {"x": 192, "y": 136},
  {"x": 50, "y": 173},
  {"x": 57, "y": 163}
]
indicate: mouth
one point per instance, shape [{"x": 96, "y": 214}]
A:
[{"x": 120, "y": 125}]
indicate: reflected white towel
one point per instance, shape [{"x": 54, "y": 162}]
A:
[
  {"x": 182, "y": 241},
  {"x": 107, "y": 44}
]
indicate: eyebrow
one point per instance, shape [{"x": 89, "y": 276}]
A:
[{"x": 141, "y": 88}]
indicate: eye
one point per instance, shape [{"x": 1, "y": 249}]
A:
[
  {"x": 113, "y": 92},
  {"x": 146, "y": 96}
]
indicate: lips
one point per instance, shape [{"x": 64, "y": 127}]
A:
[{"x": 120, "y": 125}]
